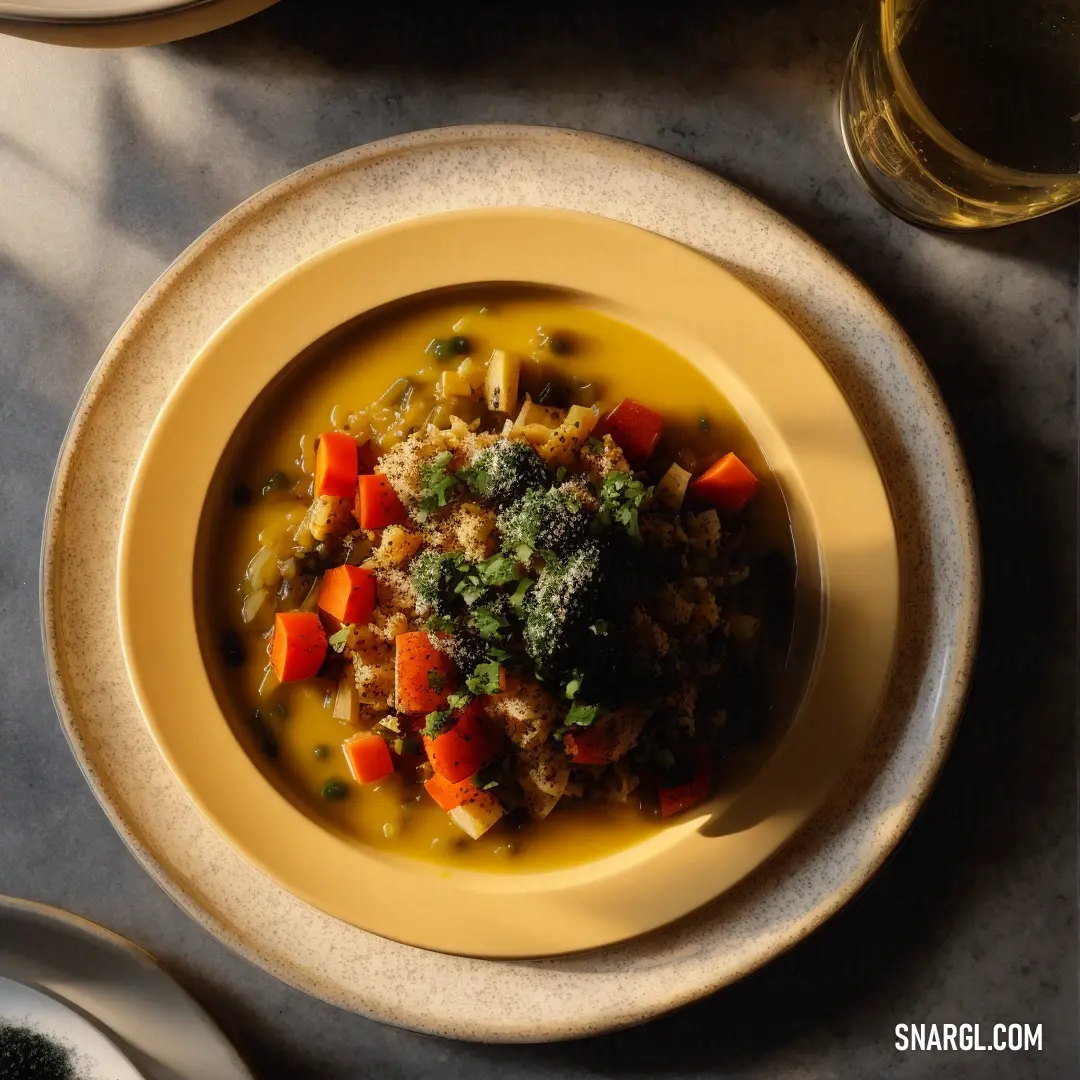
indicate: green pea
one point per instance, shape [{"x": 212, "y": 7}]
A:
[
  {"x": 560, "y": 344},
  {"x": 704, "y": 425},
  {"x": 321, "y": 752},
  {"x": 241, "y": 495},
  {"x": 334, "y": 790},
  {"x": 459, "y": 345},
  {"x": 276, "y": 482}
]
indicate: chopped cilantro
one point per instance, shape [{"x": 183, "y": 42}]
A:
[
  {"x": 488, "y": 623},
  {"x": 470, "y": 589},
  {"x": 489, "y": 785},
  {"x": 621, "y": 497},
  {"x": 339, "y": 640},
  {"x": 458, "y": 699},
  {"x": 594, "y": 445},
  {"x": 497, "y": 570},
  {"x": 560, "y": 474},
  {"x": 391, "y": 723},
  {"x": 435, "y": 723},
  {"x": 485, "y": 679},
  {"x": 523, "y": 553},
  {"x": 517, "y": 598},
  {"x": 600, "y": 628},
  {"x": 436, "y": 680},
  {"x": 476, "y": 479},
  {"x": 582, "y": 715},
  {"x": 439, "y": 624},
  {"x": 573, "y": 686},
  {"x": 495, "y": 653},
  {"x": 437, "y": 484}
]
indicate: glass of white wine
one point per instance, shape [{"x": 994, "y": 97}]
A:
[{"x": 965, "y": 114}]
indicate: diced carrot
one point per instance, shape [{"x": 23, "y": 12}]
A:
[
  {"x": 681, "y": 797},
  {"x": 377, "y": 504},
  {"x": 347, "y": 594},
  {"x": 424, "y": 674},
  {"x": 727, "y": 484},
  {"x": 449, "y": 795},
  {"x": 336, "y": 465},
  {"x": 635, "y": 428},
  {"x": 460, "y": 750},
  {"x": 368, "y": 757},
  {"x": 593, "y": 745},
  {"x": 299, "y": 645}
]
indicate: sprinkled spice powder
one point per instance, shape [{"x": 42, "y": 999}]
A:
[{"x": 26, "y": 1054}]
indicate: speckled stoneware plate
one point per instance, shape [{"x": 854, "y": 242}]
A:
[
  {"x": 812, "y": 877},
  {"x": 118, "y": 988},
  {"x": 139, "y": 23},
  {"x": 844, "y": 540}
]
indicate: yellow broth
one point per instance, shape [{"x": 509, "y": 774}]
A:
[{"x": 297, "y": 740}]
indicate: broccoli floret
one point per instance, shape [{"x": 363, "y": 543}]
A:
[
  {"x": 503, "y": 472},
  {"x": 551, "y": 520},
  {"x": 465, "y": 649},
  {"x": 434, "y": 578},
  {"x": 561, "y": 606}
]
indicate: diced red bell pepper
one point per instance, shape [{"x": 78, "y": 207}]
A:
[
  {"x": 368, "y": 757},
  {"x": 463, "y": 748},
  {"x": 727, "y": 484},
  {"x": 347, "y": 594},
  {"x": 635, "y": 428},
  {"x": 593, "y": 745},
  {"x": 336, "y": 465},
  {"x": 377, "y": 504},
  {"x": 681, "y": 797}
]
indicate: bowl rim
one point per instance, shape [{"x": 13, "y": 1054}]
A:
[
  {"x": 809, "y": 435},
  {"x": 611, "y": 899}
]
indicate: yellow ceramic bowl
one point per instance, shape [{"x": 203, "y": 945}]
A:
[{"x": 844, "y": 540}]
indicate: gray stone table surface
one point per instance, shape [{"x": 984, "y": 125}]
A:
[{"x": 112, "y": 162}]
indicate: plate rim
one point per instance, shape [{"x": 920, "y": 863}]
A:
[
  {"x": 429, "y": 253},
  {"x": 923, "y": 386},
  {"x": 67, "y": 922}
]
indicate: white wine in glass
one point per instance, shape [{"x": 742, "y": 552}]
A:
[{"x": 965, "y": 114}]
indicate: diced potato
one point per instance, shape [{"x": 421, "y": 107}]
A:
[
  {"x": 397, "y": 547},
  {"x": 501, "y": 388},
  {"x": 347, "y": 700},
  {"x": 542, "y": 415},
  {"x": 331, "y": 516},
  {"x": 472, "y": 371},
  {"x": 537, "y": 434},
  {"x": 570, "y": 436},
  {"x": 453, "y": 384},
  {"x": 671, "y": 490},
  {"x": 478, "y": 815},
  {"x": 538, "y": 803},
  {"x": 742, "y": 627}
]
